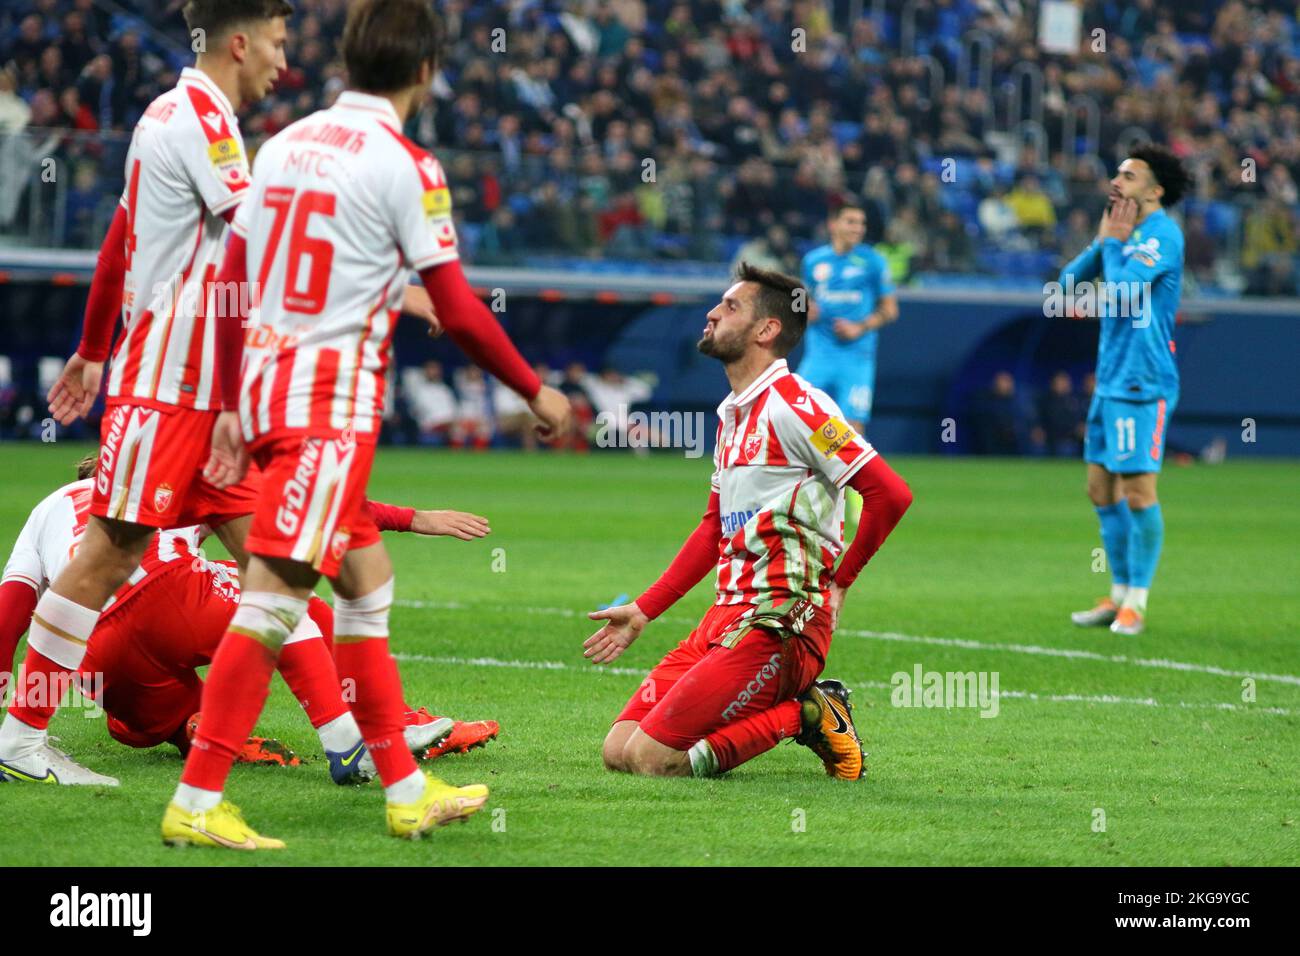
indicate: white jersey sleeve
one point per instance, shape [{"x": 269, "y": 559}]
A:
[
  {"x": 25, "y": 560},
  {"x": 813, "y": 431},
  {"x": 419, "y": 203},
  {"x": 212, "y": 157}
]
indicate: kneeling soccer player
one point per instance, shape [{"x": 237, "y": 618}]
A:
[{"x": 746, "y": 677}]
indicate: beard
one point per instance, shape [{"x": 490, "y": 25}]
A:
[{"x": 724, "y": 350}]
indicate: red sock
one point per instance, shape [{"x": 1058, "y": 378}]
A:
[
  {"x": 323, "y": 615},
  {"x": 43, "y": 677},
  {"x": 238, "y": 684},
  {"x": 379, "y": 708},
  {"x": 745, "y": 739},
  {"x": 308, "y": 669}
]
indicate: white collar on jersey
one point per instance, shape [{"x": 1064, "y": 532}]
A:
[
  {"x": 758, "y": 385},
  {"x": 195, "y": 75},
  {"x": 354, "y": 100}
]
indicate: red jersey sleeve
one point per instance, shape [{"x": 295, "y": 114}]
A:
[
  {"x": 390, "y": 517},
  {"x": 104, "y": 304},
  {"x": 698, "y": 556},
  {"x": 885, "y": 498}
]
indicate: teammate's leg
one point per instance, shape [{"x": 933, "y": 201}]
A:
[
  {"x": 363, "y": 591},
  {"x": 62, "y": 623}
]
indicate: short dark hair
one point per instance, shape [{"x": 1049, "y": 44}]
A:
[
  {"x": 782, "y": 297},
  {"x": 87, "y": 466},
  {"x": 385, "y": 42},
  {"x": 215, "y": 17},
  {"x": 1167, "y": 169},
  {"x": 847, "y": 203}
]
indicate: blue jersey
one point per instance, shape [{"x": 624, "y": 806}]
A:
[
  {"x": 1137, "y": 304},
  {"x": 845, "y": 286}
]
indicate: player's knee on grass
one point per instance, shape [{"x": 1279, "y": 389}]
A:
[
  {"x": 648, "y": 757},
  {"x": 612, "y": 750}
]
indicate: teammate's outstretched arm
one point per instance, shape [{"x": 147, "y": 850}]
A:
[
  {"x": 73, "y": 395},
  {"x": 450, "y": 524},
  {"x": 477, "y": 332},
  {"x": 624, "y": 624}
]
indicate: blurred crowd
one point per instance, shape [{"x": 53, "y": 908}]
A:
[
  {"x": 657, "y": 129},
  {"x": 1010, "y": 420}
]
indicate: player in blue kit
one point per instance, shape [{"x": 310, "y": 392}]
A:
[
  {"x": 852, "y": 298},
  {"x": 1138, "y": 255}
]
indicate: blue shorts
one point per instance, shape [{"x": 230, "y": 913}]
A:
[
  {"x": 1127, "y": 437},
  {"x": 849, "y": 381}
]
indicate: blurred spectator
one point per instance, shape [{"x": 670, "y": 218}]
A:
[
  {"x": 430, "y": 400},
  {"x": 1003, "y": 423},
  {"x": 473, "y": 423},
  {"x": 1060, "y": 416},
  {"x": 1031, "y": 206},
  {"x": 772, "y": 250}
]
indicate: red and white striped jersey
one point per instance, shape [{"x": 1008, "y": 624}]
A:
[
  {"x": 783, "y": 457},
  {"x": 341, "y": 209},
  {"x": 55, "y": 527},
  {"x": 185, "y": 169}
]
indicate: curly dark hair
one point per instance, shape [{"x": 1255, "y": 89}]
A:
[{"x": 1167, "y": 169}]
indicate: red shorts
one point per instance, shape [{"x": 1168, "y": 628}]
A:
[
  {"x": 702, "y": 685},
  {"x": 144, "y": 652},
  {"x": 312, "y": 506},
  {"x": 150, "y": 472}
]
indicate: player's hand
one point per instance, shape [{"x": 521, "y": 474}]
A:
[
  {"x": 835, "y": 601},
  {"x": 848, "y": 331},
  {"x": 416, "y": 302},
  {"x": 555, "y": 412},
  {"x": 452, "y": 524},
  {"x": 228, "y": 461},
  {"x": 1120, "y": 220},
  {"x": 624, "y": 625},
  {"x": 72, "y": 396},
  {"x": 813, "y": 311}
]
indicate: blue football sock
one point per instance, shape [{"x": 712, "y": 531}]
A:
[
  {"x": 1144, "y": 545},
  {"x": 1116, "y": 531}
]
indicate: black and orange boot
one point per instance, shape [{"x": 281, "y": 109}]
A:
[{"x": 829, "y": 732}]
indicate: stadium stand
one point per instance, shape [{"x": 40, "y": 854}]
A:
[{"x": 668, "y": 134}]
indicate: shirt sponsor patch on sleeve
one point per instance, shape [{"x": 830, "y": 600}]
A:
[
  {"x": 228, "y": 159},
  {"x": 831, "y": 436},
  {"x": 437, "y": 202}
]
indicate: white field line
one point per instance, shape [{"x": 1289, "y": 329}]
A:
[
  {"x": 878, "y": 685},
  {"x": 957, "y": 642}
]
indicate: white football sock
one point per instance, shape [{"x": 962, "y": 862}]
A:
[
  {"x": 17, "y": 739},
  {"x": 1117, "y": 593},
  {"x": 341, "y": 733},
  {"x": 407, "y": 790},
  {"x": 1137, "y": 599},
  {"x": 195, "y": 799}
]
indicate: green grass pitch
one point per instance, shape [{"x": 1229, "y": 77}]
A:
[{"x": 1151, "y": 737}]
